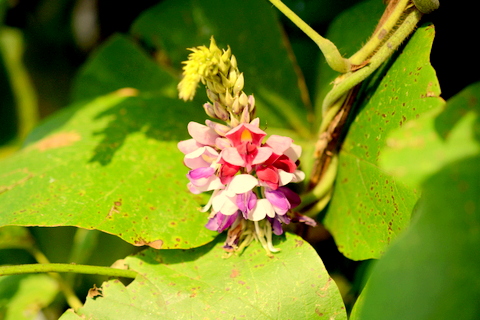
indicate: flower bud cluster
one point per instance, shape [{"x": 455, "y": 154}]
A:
[
  {"x": 246, "y": 175},
  {"x": 219, "y": 72}
]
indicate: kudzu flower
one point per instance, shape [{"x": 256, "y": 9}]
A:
[{"x": 246, "y": 173}]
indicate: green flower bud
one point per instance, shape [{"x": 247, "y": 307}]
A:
[
  {"x": 232, "y": 77},
  {"x": 236, "y": 107},
  {"x": 211, "y": 95},
  {"x": 233, "y": 62},
  {"x": 228, "y": 99},
  {"x": 243, "y": 100},
  {"x": 238, "y": 84}
]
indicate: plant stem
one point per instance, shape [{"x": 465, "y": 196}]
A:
[
  {"x": 353, "y": 78},
  {"x": 329, "y": 50},
  {"x": 381, "y": 33},
  {"x": 65, "y": 287},
  {"x": 64, "y": 267}
]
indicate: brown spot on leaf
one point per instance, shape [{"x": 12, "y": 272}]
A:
[
  {"x": 58, "y": 140},
  {"x": 234, "y": 273},
  {"x": 156, "y": 244},
  {"x": 94, "y": 292}
]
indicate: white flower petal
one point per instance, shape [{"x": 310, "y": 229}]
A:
[
  {"x": 262, "y": 209},
  {"x": 294, "y": 152},
  {"x": 284, "y": 177},
  {"x": 242, "y": 183},
  {"x": 298, "y": 176}
]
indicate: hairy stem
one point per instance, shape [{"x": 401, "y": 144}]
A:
[
  {"x": 64, "y": 267},
  {"x": 385, "y": 27}
]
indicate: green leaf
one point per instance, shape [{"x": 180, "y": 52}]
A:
[
  {"x": 433, "y": 267},
  {"x": 120, "y": 63},
  {"x": 369, "y": 207},
  {"x": 15, "y": 237},
  {"x": 426, "y": 144},
  {"x": 201, "y": 284},
  {"x": 111, "y": 165},
  {"x": 252, "y": 31},
  {"x": 22, "y": 297}
]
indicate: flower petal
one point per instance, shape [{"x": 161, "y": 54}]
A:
[
  {"x": 202, "y": 134},
  {"x": 278, "y": 200},
  {"x": 188, "y": 146},
  {"x": 242, "y": 183},
  {"x": 279, "y": 144},
  {"x": 262, "y": 209},
  {"x": 232, "y": 156}
]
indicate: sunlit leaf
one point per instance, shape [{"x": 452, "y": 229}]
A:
[
  {"x": 426, "y": 144},
  {"x": 369, "y": 206},
  {"x": 112, "y": 165},
  {"x": 433, "y": 267},
  {"x": 200, "y": 283}
]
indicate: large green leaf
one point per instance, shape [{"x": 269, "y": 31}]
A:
[
  {"x": 251, "y": 29},
  {"x": 120, "y": 63},
  {"x": 426, "y": 144},
  {"x": 369, "y": 206},
  {"x": 23, "y": 296},
  {"x": 112, "y": 165},
  {"x": 201, "y": 284},
  {"x": 431, "y": 272}
]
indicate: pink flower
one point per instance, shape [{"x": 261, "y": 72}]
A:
[
  {"x": 247, "y": 177},
  {"x": 246, "y": 149}
]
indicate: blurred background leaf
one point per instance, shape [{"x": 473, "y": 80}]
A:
[
  {"x": 22, "y": 297},
  {"x": 431, "y": 271}
]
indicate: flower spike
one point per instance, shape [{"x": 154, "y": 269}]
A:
[{"x": 246, "y": 173}]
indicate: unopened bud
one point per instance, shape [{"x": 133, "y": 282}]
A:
[
  {"x": 220, "y": 111},
  {"x": 236, "y": 107},
  {"x": 245, "y": 118},
  {"x": 243, "y": 100},
  {"x": 211, "y": 95},
  {"x": 218, "y": 87},
  {"x": 251, "y": 103},
  {"x": 232, "y": 77},
  {"x": 238, "y": 84},
  {"x": 209, "y": 110},
  {"x": 233, "y": 62},
  {"x": 233, "y": 121},
  {"x": 225, "y": 81},
  {"x": 228, "y": 99},
  {"x": 226, "y": 54}
]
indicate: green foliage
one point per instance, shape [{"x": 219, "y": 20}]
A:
[
  {"x": 200, "y": 283},
  {"x": 431, "y": 265},
  {"x": 370, "y": 207},
  {"x": 109, "y": 162},
  {"x": 124, "y": 141},
  {"x": 23, "y": 296}
]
